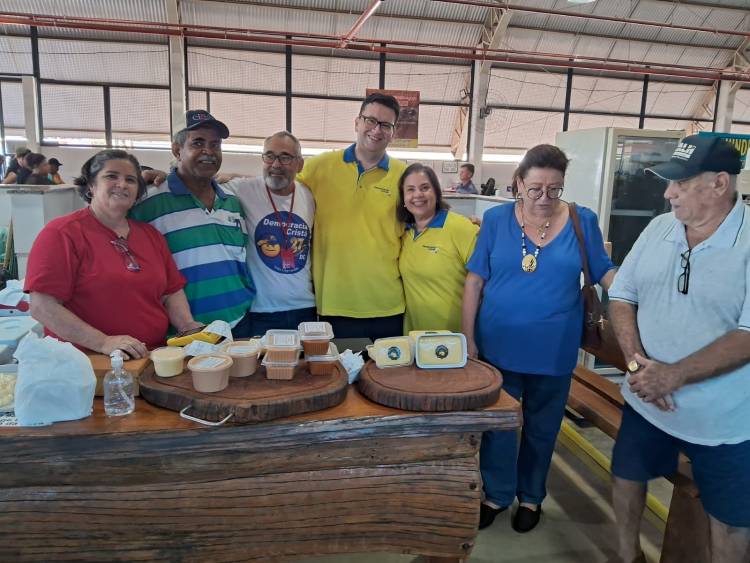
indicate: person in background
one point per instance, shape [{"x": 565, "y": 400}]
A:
[
  {"x": 204, "y": 226},
  {"x": 17, "y": 167},
  {"x": 100, "y": 280},
  {"x": 435, "y": 248},
  {"x": 523, "y": 313},
  {"x": 465, "y": 174},
  {"x": 54, "y": 171},
  {"x": 39, "y": 170},
  {"x": 280, "y": 214},
  {"x": 680, "y": 306},
  {"x": 357, "y": 236}
]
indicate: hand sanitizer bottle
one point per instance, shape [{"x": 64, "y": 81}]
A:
[{"x": 118, "y": 388}]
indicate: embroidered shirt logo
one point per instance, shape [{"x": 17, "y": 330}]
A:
[
  {"x": 684, "y": 151},
  {"x": 433, "y": 249},
  {"x": 386, "y": 191}
]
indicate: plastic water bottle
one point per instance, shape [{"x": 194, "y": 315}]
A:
[{"x": 118, "y": 388}]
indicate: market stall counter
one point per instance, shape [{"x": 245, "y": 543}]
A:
[{"x": 357, "y": 477}]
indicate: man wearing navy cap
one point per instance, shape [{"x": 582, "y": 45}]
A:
[
  {"x": 680, "y": 305},
  {"x": 204, "y": 226}
]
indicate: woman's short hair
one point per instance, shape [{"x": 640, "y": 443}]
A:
[
  {"x": 540, "y": 156},
  {"x": 96, "y": 163},
  {"x": 403, "y": 214}
]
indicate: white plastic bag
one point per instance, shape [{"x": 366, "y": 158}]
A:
[{"x": 55, "y": 382}]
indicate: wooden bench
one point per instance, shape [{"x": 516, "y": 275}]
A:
[{"x": 686, "y": 537}]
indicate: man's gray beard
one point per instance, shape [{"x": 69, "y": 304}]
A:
[{"x": 276, "y": 184}]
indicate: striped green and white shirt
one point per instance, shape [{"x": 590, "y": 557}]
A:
[{"x": 209, "y": 247}]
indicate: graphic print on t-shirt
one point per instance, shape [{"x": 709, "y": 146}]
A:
[{"x": 285, "y": 253}]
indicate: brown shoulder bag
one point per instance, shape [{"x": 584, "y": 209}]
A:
[{"x": 598, "y": 335}]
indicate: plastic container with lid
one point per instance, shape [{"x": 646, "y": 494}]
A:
[
  {"x": 315, "y": 337},
  {"x": 441, "y": 350},
  {"x": 280, "y": 370},
  {"x": 244, "y": 354},
  {"x": 323, "y": 364},
  {"x": 391, "y": 352},
  {"x": 210, "y": 372},
  {"x": 281, "y": 345},
  {"x": 168, "y": 361}
]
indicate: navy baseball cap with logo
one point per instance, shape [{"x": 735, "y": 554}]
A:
[
  {"x": 697, "y": 154},
  {"x": 196, "y": 118}
]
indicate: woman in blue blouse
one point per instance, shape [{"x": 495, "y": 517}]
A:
[{"x": 523, "y": 313}]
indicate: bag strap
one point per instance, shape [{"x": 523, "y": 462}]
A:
[{"x": 572, "y": 209}]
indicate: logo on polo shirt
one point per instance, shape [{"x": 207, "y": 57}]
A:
[
  {"x": 684, "y": 151},
  {"x": 386, "y": 191}
]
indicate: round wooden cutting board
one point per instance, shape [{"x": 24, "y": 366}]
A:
[
  {"x": 473, "y": 386},
  {"x": 250, "y": 399}
]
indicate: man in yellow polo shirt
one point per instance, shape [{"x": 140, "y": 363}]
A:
[{"x": 357, "y": 236}]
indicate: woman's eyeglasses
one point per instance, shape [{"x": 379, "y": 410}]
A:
[
  {"x": 684, "y": 280},
  {"x": 121, "y": 245},
  {"x": 536, "y": 192}
]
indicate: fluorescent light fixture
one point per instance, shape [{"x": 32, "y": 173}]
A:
[{"x": 509, "y": 158}]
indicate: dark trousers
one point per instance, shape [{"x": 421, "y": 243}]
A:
[
  {"x": 290, "y": 320},
  {"x": 372, "y": 328},
  {"x": 510, "y": 469}
]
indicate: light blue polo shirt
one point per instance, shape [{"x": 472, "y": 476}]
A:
[{"x": 673, "y": 325}]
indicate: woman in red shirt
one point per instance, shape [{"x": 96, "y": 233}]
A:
[{"x": 101, "y": 280}]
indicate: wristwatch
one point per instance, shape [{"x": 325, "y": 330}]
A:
[{"x": 633, "y": 366}]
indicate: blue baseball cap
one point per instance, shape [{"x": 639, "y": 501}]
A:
[
  {"x": 697, "y": 154},
  {"x": 196, "y": 118}
]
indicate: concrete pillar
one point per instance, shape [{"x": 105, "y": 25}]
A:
[
  {"x": 177, "y": 70},
  {"x": 31, "y": 113},
  {"x": 478, "y": 117},
  {"x": 725, "y": 106}
]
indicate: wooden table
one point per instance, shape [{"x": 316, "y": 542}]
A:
[{"x": 358, "y": 477}]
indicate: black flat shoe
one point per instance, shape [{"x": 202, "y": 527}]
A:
[
  {"x": 487, "y": 515},
  {"x": 525, "y": 519}
]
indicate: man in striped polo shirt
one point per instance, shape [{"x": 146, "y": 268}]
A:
[{"x": 204, "y": 226}]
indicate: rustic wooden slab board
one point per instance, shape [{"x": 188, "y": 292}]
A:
[
  {"x": 102, "y": 364},
  {"x": 250, "y": 399},
  {"x": 474, "y": 386}
]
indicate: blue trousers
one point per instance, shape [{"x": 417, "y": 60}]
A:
[{"x": 510, "y": 469}]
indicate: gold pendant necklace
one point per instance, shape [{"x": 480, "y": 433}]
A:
[{"x": 529, "y": 261}]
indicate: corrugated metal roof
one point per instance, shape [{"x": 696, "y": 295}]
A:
[{"x": 137, "y": 10}]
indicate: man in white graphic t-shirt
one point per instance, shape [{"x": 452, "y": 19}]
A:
[{"x": 279, "y": 215}]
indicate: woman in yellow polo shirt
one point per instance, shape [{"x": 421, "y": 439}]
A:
[{"x": 436, "y": 246}]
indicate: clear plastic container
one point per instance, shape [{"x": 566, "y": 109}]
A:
[
  {"x": 323, "y": 364},
  {"x": 315, "y": 337},
  {"x": 244, "y": 353},
  {"x": 210, "y": 372},
  {"x": 282, "y": 345},
  {"x": 168, "y": 361},
  {"x": 280, "y": 370}
]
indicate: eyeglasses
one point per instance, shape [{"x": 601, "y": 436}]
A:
[
  {"x": 684, "y": 280},
  {"x": 536, "y": 192},
  {"x": 372, "y": 123},
  {"x": 283, "y": 158},
  {"x": 122, "y": 247}
]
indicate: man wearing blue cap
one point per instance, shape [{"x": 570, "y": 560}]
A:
[
  {"x": 204, "y": 226},
  {"x": 680, "y": 305}
]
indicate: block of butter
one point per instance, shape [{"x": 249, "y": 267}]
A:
[
  {"x": 441, "y": 350},
  {"x": 185, "y": 338},
  {"x": 391, "y": 352}
]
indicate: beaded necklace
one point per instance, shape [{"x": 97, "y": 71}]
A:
[{"x": 529, "y": 261}]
